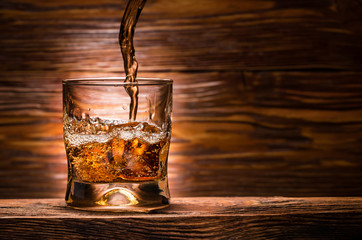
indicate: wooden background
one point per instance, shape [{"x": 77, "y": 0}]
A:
[{"x": 267, "y": 94}]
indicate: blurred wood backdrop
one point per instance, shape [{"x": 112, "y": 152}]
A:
[{"x": 267, "y": 94}]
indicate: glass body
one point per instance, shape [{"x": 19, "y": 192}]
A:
[{"x": 115, "y": 163}]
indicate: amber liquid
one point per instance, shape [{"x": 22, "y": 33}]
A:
[
  {"x": 116, "y": 166},
  {"x": 113, "y": 165},
  {"x": 125, "y": 152},
  {"x": 126, "y": 33}
]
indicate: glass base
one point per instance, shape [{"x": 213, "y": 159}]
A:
[{"x": 142, "y": 196}]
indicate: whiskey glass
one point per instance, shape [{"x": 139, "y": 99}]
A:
[{"x": 116, "y": 163}]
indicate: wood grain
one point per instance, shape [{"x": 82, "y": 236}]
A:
[
  {"x": 211, "y": 218},
  {"x": 181, "y": 35},
  {"x": 275, "y": 107}
]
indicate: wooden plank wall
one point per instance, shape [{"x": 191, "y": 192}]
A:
[{"x": 267, "y": 94}]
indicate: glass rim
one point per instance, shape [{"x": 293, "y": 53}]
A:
[{"x": 116, "y": 81}]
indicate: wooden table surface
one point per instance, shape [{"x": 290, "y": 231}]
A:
[{"x": 209, "y": 218}]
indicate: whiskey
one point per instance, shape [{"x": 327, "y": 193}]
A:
[
  {"x": 135, "y": 151},
  {"x": 118, "y": 165},
  {"x": 126, "y": 33}
]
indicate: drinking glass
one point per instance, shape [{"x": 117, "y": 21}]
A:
[{"x": 116, "y": 163}]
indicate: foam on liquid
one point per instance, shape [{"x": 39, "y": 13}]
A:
[{"x": 113, "y": 129}]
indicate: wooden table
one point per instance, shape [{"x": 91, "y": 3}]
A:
[{"x": 208, "y": 218}]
